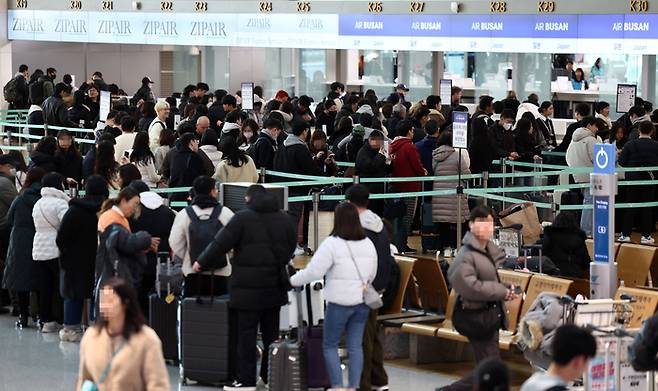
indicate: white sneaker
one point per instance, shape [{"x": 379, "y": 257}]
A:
[
  {"x": 51, "y": 327},
  {"x": 70, "y": 335},
  {"x": 237, "y": 386},
  {"x": 299, "y": 250},
  {"x": 380, "y": 388},
  {"x": 623, "y": 238},
  {"x": 647, "y": 240}
]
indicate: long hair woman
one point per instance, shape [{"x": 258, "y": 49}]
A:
[
  {"x": 67, "y": 158},
  {"x": 144, "y": 160},
  {"x": 348, "y": 259},
  {"x": 105, "y": 165},
  {"x": 236, "y": 165},
  {"x": 44, "y": 154},
  {"x": 121, "y": 352}
]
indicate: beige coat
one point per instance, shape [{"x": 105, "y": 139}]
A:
[
  {"x": 139, "y": 366},
  {"x": 245, "y": 173}
]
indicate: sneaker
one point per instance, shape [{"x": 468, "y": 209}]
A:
[
  {"x": 408, "y": 250},
  {"x": 299, "y": 250},
  {"x": 22, "y": 322},
  {"x": 380, "y": 388},
  {"x": 237, "y": 386},
  {"x": 623, "y": 238},
  {"x": 51, "y": 327},
  {"x": 647, "y": 240},
  {"x": 70, "y": 335}
]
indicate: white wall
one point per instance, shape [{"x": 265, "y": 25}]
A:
[
  {"x": 124, "y": 65},
  {"x": 247, "y": 65}
]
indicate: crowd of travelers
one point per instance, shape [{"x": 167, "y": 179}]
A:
[{"x": 60, "y": 250}]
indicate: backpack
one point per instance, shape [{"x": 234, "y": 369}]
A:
[
  {"x": 10, "y": 90},
  {"x": 202, "y": 232}
]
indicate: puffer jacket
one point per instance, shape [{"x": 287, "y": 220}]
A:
[
  {"x": 446, "y": 163},
  {"x": 406, "y": 163},
  {"x": 122, "y": 250},
  {"x": 333, "y": 260},
  {"x": 47, "y": 214},
  {"x": 474, "y": 275},
  {"x": 581, "y": 152}
]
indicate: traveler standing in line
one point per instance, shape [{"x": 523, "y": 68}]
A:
[
  {"x": 120, "y": 251},
  {"x": 374, "y": 376},
  {"x": 142, "y": 157},
  {"x": 128, "y": 173},
  {"x": 582, "y": 111},
  {"x": 572, "y": 348},
  {"x": 641, "y": 152},
  {"x": 581, "y": 154},
  {"x": 263, "y": 240},
  {"x": 120, "y": 352},
  {"x": 321, "y": 155},
  {"x": 481, "y": 296},
  {"x": 48, "y": 213},
  {"x": 148, "y": 115},
  {"x": 55, "y": 108},
  {"x": 68, "y": 159},
  {"x": 167, "y": 142},
  {"x": 248, "y": 134},
  {"x": 156, "y": 218},
  {"x": 348, "y": 259},
  {"x": 209, "y": 146},
  {"x": 372, "y": 162},
  {"x": 265, "y": 147},
  {"x": 124, "y": 142},
  {"x": 21, "y": 273},
  {"x": 406, "y": 163},
  {"x": 427, "y": 145},
  {"x": 77, "y": 240},
  {"x": 445, "y": 160},
  {"x": 185, "y": 165},
  {"x": 188, "y": 248},
  {"x": 144, "y": 92},
  {"x": 106, "y": 166},
  {"x": 158, "y": 124},
  {"x": 43, "y": 155},
  {"x": 18, "y": 98}
]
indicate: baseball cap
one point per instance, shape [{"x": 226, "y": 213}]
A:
[
  {"x": 402, "y": 86},
  {"x": 6, "y": 159},
  {"x": 147, "y": 80}
]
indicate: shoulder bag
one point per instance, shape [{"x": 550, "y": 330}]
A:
[
  {"x": 481, "y": 323},
  {"x": 370, "y": 296}
]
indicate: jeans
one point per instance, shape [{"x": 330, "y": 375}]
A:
[
  {"x": 248, "y": 322},
  {"x": 586, "y": 218},
  {"x": 72, "y": 313},
  {"x": 352, "y": 320},
  {"x": 49, "y": 288}
]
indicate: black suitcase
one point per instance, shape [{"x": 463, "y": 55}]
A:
[
  {"x": 163, "y": 314},
  {"x": 287, "y": 363},
  {"x": 204, "y": 339},
  {"x": 429, "y": 232}
]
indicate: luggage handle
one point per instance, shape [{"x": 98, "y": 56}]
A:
[
  {"x": 300, "y": 315},
  {"x": 212, "y": 287},
  {"x": 158, "y": 283}
]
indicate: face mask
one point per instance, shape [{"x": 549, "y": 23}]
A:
[
  {"x": 12, "y": 172},
  {"x": 507, "y": 126},
  {"x": 248, "y": 135}
]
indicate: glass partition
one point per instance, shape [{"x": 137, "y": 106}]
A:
[
  {"x": 377, "y": 71},
  {"x": 490, "y": 74},
  {"x": 416, "y": 72},
  {"x": 312, "y": 73},
  {"x": 279, "y": 73}
]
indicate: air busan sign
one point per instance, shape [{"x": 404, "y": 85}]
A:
[{"x": 536, "y": 33}]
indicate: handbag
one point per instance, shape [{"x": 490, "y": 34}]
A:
[
  {"x": 89, "y": 385},
  {"x": 477, "y": 324},
  {"x": 370, "y": 296}
]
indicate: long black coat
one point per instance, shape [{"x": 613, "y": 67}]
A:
[
  {"x": 77, "y": 243},
  {"x": 372, "y": 164},
  {"x": 69, "y": 164},
  {"x": 185, "y": 167},
  {"x": 263, "y": 239},
  {"x": 20, "y": 274}
]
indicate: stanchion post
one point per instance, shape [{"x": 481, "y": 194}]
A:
[
  {"x": 460, "y": 191},
  {"x": 8, "y": 136},
  {"x": 316, "y": 219},
  {"x": 356, "y": 180},
  {"x": 554, "y": 208},
  {"x": 651, "y": 381},
  {"x": 262, "y": 174},
  {"x": 485, "y": 184},
  {"x": 503, "y": 169}
]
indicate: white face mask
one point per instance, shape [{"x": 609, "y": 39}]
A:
[
  {"x": 507, "y": 126},
  {"x": 12, "y": 172},
  {"x": 248, "y": 135}
]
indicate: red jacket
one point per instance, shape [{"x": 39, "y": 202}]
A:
[{"x": 406, "y": 162}]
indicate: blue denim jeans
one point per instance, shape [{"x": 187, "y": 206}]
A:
[
  {"x": 72, "y": 312},
  {"x": 586, "y": 218},
  {"x": 352, "y": 320}
]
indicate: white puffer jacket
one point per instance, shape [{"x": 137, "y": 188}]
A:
[
  {"x": 333, "y": 260},
  {"x": 47, "y": 214}
]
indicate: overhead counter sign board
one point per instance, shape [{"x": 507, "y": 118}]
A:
[{"x": 535, "y": 33}]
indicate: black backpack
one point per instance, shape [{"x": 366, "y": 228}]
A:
[
  {"x": 10, "y": 90},
  {"x": 202, "y": 232}
]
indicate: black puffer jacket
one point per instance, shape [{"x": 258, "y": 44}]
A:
[
  {"x": 566, "y": 248},
  {"x": 20, "y": 274},
  {"x": 77, "y": 242},
  {"x": 372, "y": 164},
  {"x": 185, "y": 167},
  {"x": 295, "y": 158},
  {"x": 69, "y": 164},
  {"x": 117, "y": 243},
  {"x": 156, "y": 219},
  {"x": 263, "y": 239}
]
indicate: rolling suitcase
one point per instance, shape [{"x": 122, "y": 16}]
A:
[
  {"x": 312, "y": 307},
  {"x": 204, "y": 339},
  {"x": 163, "y": 312},
  {"x": 429, "y": 233}
]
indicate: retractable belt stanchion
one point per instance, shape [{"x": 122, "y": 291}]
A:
[
  {"x": 262, "y": 174},
  {"x": 503, "y": 169},
  {"x": 355, "y": 179},
  {"x": 485, "y": 184},
  {"x": 316, "y": 219}
]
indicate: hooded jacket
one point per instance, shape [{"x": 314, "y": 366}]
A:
[
  {"x": 48, "y": 213},
  {"x": 446, "y": 163},
  {"x": 263, "y": 240},
  {"x": 581, "y": 152},
  {"x": 20, "y": 273},
  {"x": 77, "y": 241},
  {"x": 374, "y": 227},
  {"x": 121, "y": 249},
  {"x": 474, "y": 275},
  {"x": 263, "y": 150},
  {"x": 406, "y": 163}
]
